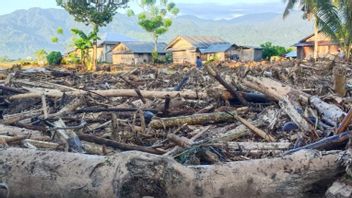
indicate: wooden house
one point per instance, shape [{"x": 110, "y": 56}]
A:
[
  {"x": 135, "y": 52},
  {"x": 305, "y": 47},
  {"x": 185, "y": 49},
  {"x": 246, "y": 53},
  {"x": 107, "y": 43}
]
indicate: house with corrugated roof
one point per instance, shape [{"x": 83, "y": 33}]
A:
[
  {"x": 185, "y": 49},
  {"x": 107, "y": 42},
  {"x": 326, "y": 46},
  {"x": 136, "y": 52}
]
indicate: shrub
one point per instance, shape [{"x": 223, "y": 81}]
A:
[
  {"x": 54, "y": 58},
  {"x": 270, "y": 50}
]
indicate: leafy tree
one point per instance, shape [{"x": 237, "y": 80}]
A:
[
  {"x": 84, "y": 43},
  {"x": 270, "y": 50},
  {"x": 335, "y": 19},
  {"x": 54, "y": 58},
  {"x": 97, "y": 13},
  {"x": 59, "y": 31},
  {"x": 156, "y": 18},
  {"x": 40, "y": 56},
  {"x": 310, "y": 9}
]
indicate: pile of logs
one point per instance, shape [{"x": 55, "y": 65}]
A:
[{"x": 259, "y": 131}]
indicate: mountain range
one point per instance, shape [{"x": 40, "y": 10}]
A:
[{"x": 25, "y": 31}]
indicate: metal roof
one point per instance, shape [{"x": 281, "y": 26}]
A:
[
  {"x": 113, "y": 38},
  {"x": 143, "y": 47},
  {"x": 216, "y": 48},
  {"x": 204, "y": 41}
]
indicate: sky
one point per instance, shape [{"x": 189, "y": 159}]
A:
[{"x": 207, "y": 9}]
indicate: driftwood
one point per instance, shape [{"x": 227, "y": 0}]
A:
[
  {"x": 340, "y": 81},
  {"x": 340, "y": 189},
  {"x": 113, "y": 93},
  {"x": 29, "y": 173},
  {"x": 279, "y": 92},
  {"x": 229, "y": 87},
  {"x": 114, "y": 144},
  {"x": 5, "y": 130},
  {"x": 195, "y": 119}
]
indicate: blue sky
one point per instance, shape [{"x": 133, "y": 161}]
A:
[{"x": 210, "y": 9}]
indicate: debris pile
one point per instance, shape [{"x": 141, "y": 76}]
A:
[{"x": 221, "y": 113}]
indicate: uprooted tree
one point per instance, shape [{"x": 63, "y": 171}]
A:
[{"x": 95, "y": 13}]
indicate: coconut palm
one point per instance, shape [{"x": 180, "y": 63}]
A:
[
  {"x": 310, "y": 10},
  {"x": 337, "y": 23}
]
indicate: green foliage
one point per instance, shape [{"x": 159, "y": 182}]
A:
[
  {"x": 96, "y": 13},
  {"x": 92, "y": 12},
  {"x": 54, "y": 39},
  {"x": 40, "y": 56},
  {"x": 155, "y": 18},
  {"x": 335, "y": 20},
  {"x": 73, "y": 59},
  {"x": 54, "y": 58},
  {"x": 84, "y": 43},
  {"x": 270, "y": 50},
  {"x": 60, "y": 30}
]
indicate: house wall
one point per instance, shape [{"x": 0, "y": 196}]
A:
[
  {"x": 308, "y": 51},
  {"x": 133, "y": 59},
  {"x": 221, "y": 56},
  {"x": 184, "y": 57}
]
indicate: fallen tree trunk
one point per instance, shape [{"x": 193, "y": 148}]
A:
[
  {"x": 113, "y": 93},
  {"x": 30, "y": 173},
  {"x": 195, "y": 119},
  {"x": 279, "y": 92}
]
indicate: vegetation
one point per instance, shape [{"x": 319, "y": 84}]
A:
[
  {"x": 335, "y": 19},
  {"x": 84, "y": 43},
  {"x": 94, "y": 13},
  {"x": 40, "y": 56},
  {"x": 59, "y": 31},
  {"x": 310, "y": 10},
  {"x": 270, "y": 50},
  {"x": 54, "y": 58},
  {"x": 156, "y": 19}
]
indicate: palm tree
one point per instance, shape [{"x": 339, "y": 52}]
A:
[
  {"x": 84, "y": 43},
  {"x": 336, "y": 22},
  {"x": 310, "y": 9}
]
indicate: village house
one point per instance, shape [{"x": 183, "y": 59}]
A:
[
  {"x": 305, "y": 47},
  {"x": 136, "y": 52},
  {"x": 185, "y": 49},
  {"x": 245, "y": 53},
  {"x": 107, "y": 43}
]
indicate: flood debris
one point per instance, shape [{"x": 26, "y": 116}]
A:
[{"x": 217, "y": 117}]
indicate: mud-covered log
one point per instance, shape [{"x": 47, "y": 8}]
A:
[
  {"x": 31, "y": 173},
  {"x": 340, "y": 81},
  {"x": 113, "y": 93},
  {"x": 329, "y": 112},
  {"x": 195, "y": 119}
]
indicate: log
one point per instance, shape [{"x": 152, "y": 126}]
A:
[
  {"x": 272, "y": 88},
  {"x": 279, "y": 91},
  {"x": 114, "y": 93},
  {"x": 329, "y": 112},
  {"x": 255, "y": 130},
  {"x": 340, "y": 189},
  {"x": 345, "y": 123},
  {"x": 195, "y": 119},
  {"x": 229, "y": 87},
  {"x": 117, "y": 145},
  {"x": 31, "y": 173},
  {"x": 4, "y": 130},
  {"x": 340, "y": 81}
]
